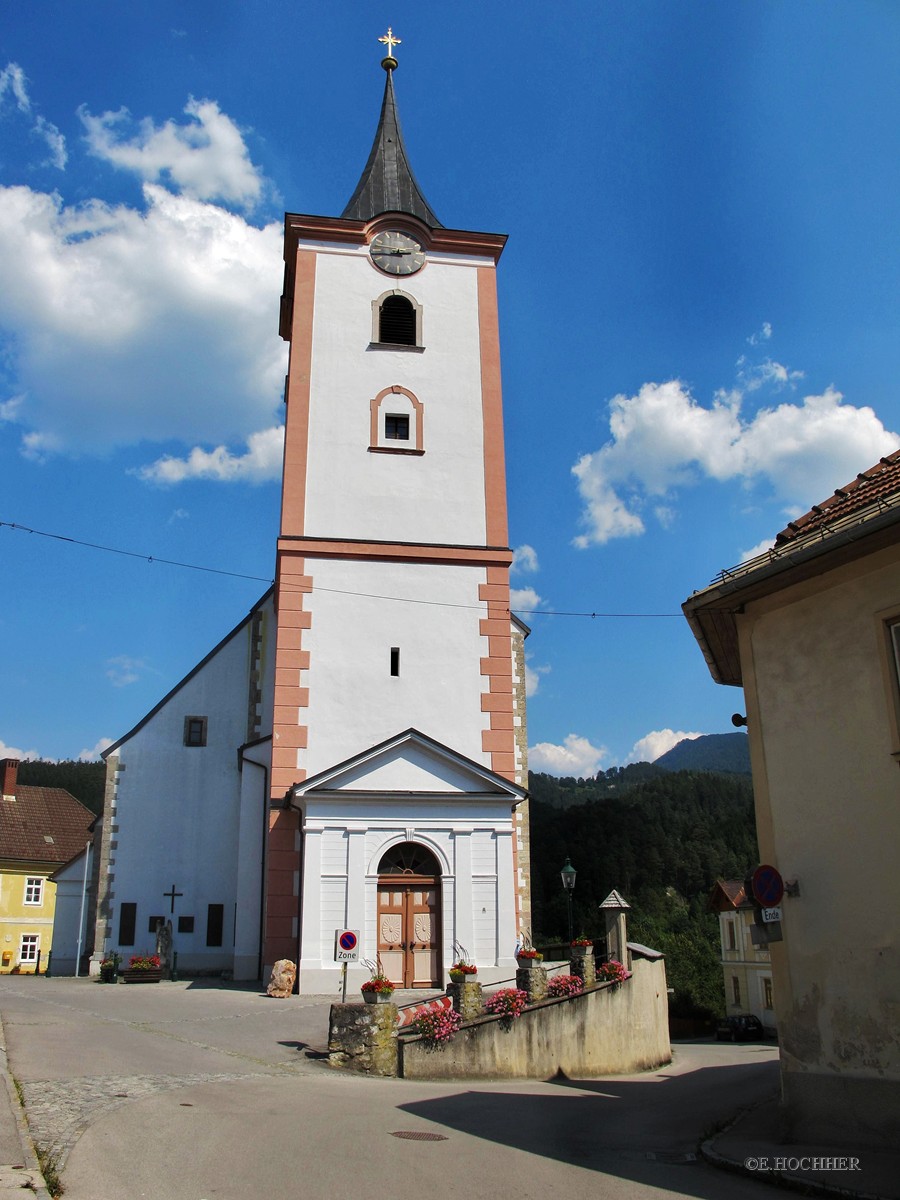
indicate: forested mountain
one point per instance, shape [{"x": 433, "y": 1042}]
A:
[
  {"x": 661, "y": 842},
  {"x": 712, "y": 752},
  {"x": 718, "y": 752},
  {"x": 83, "y": 780}
]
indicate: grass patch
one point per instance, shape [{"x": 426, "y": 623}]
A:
[{"x": 49, "y": 1163}]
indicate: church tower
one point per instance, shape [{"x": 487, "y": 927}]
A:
[{"x": 398, "y": 731}]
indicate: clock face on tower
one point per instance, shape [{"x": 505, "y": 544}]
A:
[{"x": 396, "y": 253}]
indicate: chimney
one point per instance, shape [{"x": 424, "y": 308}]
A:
[{"x": 9, "y": 770}]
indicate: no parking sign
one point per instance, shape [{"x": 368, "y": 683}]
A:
[{"x": 346, "y": 945}]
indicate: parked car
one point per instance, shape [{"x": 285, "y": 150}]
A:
[{"x": 743, "y": 1028}]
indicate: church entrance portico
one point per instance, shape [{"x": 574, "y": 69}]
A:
[{"x": 409, "y": 916}]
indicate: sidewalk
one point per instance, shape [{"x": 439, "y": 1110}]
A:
[
  {"x": 752, "y": 1145},
  {"x": 19, "y": 1167}
]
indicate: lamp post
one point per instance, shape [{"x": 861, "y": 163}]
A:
[{"x": 567, "y": 875}]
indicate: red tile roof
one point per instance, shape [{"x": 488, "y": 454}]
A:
[
  {"x": 43, "y": 824},
  {"x": 729, "y": 893},
  {"x": 872, "y": 488}
]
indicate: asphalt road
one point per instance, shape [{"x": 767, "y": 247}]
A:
[{"x": 186, "y": 1092}]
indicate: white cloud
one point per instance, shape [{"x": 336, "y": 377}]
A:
[
  {"x": 753, "y": 376},
  {"x": 761, "y": 335},
  {"x": 525, "y": 559},
  {"x": 56, "y": 143},
  {"x": 650, "y": 747},
  {"x": 21, "y": 755},
  {"x": 206, "y": 157},
  {"x": 576, "y": 756},
  {"x": 261, "y": 462},
  {"x": 125, "y": 326},
  {"x": 524, "y": 599},
  {"x": 662, "y": 440},
  {"x": 92, "y": 755},
  {"x": 755, "y": 551},
  {"x": 122, "y": 670},
  {"x": 533, "y": 676},
  {"x": 12, "y": 80}
]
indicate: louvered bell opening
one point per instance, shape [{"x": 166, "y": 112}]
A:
[{"x": 397, "y": 322}]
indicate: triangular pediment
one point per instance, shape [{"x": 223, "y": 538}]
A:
[{"x": 411, "y": 763}]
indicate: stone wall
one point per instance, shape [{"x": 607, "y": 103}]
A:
[{"x": 614, "y": 1029}]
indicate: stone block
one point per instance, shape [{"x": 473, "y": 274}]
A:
[
  {"x": 284, "y": 974},
  {"x": 363, "y": 1037},
  {"x": 467, "y": 999}
]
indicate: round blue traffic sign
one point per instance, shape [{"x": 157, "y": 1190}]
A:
[
  {"x": 768, "y": 886},
  {"x": 347, "y": 940}
]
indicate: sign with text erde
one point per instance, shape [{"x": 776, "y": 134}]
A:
[
  {"x": 768, "y": 886},
  {"x": 346, "y": 945}
]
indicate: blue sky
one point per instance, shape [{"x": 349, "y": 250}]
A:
[{"x": 698, "y": 311}]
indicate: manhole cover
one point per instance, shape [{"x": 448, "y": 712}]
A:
[{"x": 417, "y": 1135}]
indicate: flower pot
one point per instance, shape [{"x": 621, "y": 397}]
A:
[
  {"x": 378, "y": 997},
  {"x": 581, "y": 951},
  {"x": 529, "y": 964},
  {"x": 463, "y": 976},
  {"x": 135, "y": 975},
  {"x": 109, "y": 974}
]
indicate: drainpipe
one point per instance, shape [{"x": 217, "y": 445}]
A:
[
  {"x": 265, "y": 840},
  {"x": 87, "y": 852}
]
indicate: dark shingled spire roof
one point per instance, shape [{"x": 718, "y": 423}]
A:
[{"x": 387, "y": 183}]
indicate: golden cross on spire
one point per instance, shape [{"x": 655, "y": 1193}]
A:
[{"x": 390, "y": 41}]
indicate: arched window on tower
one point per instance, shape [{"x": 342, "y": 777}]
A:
[{"x": 396, "y": 321}]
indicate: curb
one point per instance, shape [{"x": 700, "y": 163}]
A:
[
  {"x": 782, "y": 1179},
  {"x": 19, "y": 1177}
]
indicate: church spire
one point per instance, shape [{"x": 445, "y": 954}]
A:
[{"x": 387, "y": 183}]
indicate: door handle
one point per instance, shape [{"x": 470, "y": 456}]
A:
[{"x": 403, "y": 945}]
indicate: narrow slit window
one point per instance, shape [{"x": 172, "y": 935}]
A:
[
  {"x": 395, "y": 660},
  {"x": 396, "y": 427}
]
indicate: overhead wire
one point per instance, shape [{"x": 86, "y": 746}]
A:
[{"x": 169, "y": 562}]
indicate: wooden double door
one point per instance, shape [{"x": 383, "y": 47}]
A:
[{"x": 409, "y": 925}]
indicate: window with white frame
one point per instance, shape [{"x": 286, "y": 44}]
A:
[
  {"x": 28, "y": 949},
  {"x": 34, "y": 890}
]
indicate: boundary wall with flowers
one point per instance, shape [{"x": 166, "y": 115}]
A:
[{"x": 611, "y": 1029}]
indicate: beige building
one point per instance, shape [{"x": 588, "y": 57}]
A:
[
  {"x": 746, "y": 968},
  {"x": 811, "y": 631}
]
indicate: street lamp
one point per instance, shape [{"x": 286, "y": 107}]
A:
[{"x": 567, "y": 875}]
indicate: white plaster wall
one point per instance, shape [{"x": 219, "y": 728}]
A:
[
  {"x": 438, "y": 497},
  {"x": 822, "y": 727},
  {"x": 478, "y": 912},
  {"x": 178, "y": 817},
  {"x": 67, "y": 915},
  {"x": 354, "y": 701}
]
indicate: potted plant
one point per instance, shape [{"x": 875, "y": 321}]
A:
[
  {"x": 143, "y": 968},
  {"x": 462, "y": 969},
  {"x": 507, "y": 1002},
  {"x": 583, "y": 944},
  {"x": 612, "y": 972},
  {"x": 528, "y": 958},
  {"x": 379, "y": 989},
  {"x": 437, "y": 1028},
  {"x": 565, "y": 985},
  {"x": 109, "y": 967}
]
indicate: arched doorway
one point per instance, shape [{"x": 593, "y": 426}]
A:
[{"x": 409, "y": 916}]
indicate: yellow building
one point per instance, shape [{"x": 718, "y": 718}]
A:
[
  {"x": 40, "y": 829},
  {"x": 811, "y": 631},
  {"x": 746, "y": 968}
]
